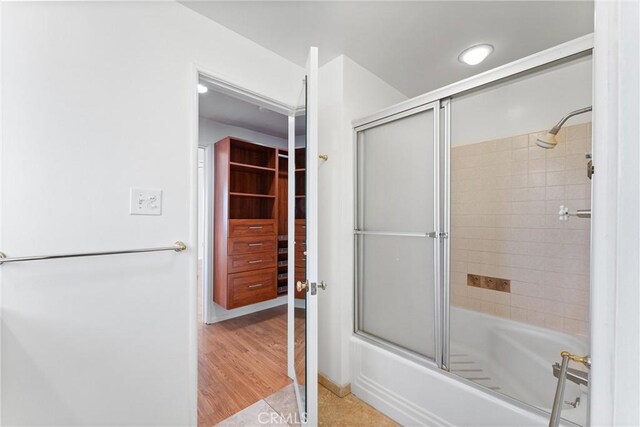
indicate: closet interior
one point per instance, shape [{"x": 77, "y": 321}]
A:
[{"x": 251, "y": 221}]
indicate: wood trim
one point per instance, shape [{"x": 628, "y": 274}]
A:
[
  {"x": 221, "y": 213},
  {"x": 340, "y": 391}
]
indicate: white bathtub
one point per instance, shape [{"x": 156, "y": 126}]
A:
[
  {"x": 515, "y": 356},
  {"x": 515, "y": 359}
]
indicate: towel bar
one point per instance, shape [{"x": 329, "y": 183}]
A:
[{"x": 177, "y": 247}]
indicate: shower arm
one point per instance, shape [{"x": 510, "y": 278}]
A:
[{"x": 554, "y": 130}]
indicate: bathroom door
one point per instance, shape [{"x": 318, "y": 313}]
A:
[{"x": 303, "y": 246}]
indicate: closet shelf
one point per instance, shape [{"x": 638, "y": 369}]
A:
[
  {"x": 250, "y": 168},
  {"x": 267, "y": 196}
]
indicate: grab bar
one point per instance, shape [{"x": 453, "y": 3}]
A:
[
  {"x": 177, "y": 247},
  {"x": 554, "y": 420}
]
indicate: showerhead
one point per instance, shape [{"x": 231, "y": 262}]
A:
[{"x": 549, "y": 140}]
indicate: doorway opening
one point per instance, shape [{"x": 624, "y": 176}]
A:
[{"x": 250, "y": 335}]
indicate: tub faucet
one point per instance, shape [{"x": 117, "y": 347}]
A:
[{"x": 563, "y": 370}]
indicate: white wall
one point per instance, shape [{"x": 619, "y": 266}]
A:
[
  {"x": 201, "y": 200},
  {"x": 615, "y": 272},
  {"x": 211, "y": 131},
  {"x": 347, "y": 91},
  {"x": 531, "y": 103},
  {"x": 100, "y": 97}
]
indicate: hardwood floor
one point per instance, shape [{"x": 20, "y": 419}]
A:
[
  {"x": 240, "y": 361},
  {"x": 299, "y": 345}
]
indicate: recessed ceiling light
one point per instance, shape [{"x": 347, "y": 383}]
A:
[
  {"x": 202, "y": 88},
  {"x": 475, "y": 54}
]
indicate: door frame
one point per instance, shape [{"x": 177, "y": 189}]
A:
[{"x": 227, "y": 87}]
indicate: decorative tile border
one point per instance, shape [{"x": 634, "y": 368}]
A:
[{"x": 486, "y": 282}]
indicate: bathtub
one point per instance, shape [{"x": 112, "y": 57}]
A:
[{"x": 513, "y": 358}]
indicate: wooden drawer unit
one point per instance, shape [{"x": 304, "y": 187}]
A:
[
  {"x": 301, "y": 229},
  {"x": 251, "y": 224},
  {"x": 251, "y": 287},
  {"x": 301, "y": 250},
  {"x": 246, "y": 262},
  {"x": 247, "y": 245},
  {"x": 251, "y": 227}
]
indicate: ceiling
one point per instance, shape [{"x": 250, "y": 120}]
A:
[
  {"x": 235, "y": 112},
  {"x": 413, "y": 46}
]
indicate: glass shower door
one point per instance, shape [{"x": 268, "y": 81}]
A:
[{"x": 397, "y": 223}]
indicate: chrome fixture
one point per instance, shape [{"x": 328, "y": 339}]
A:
[
  {"x": 564, "y": 213},
  {"x": 395, "y": 233},
  {"x": 177, "y": 247},
  {"x": 590, "y": 168},
  {"x": 558, "y": 400},
  {"x": 312, "y": 287},
  {"x": 549, "y": 140},
  {"x": 575, "y": 403},
  {"x": 574, "y": 375}
]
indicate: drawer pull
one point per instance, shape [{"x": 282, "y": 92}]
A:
[
  {"x": 257, "y": 285},
  {"x": 255, "y": 244},
  {"x": 255, "y": 261},
  {"x": 255, "y": 227}
]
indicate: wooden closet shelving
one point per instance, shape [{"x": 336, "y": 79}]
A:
[{"x": 250, "y": 222}]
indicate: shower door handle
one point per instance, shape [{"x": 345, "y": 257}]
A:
[{"x": 436, "y": 235}]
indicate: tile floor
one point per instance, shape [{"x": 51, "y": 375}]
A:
[{"x": 280, "y": 409}]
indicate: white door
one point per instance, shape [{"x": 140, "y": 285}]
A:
[{"x": 303, "y": 245}]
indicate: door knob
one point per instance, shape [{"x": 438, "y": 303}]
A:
[{"x": 301, "y": 286}]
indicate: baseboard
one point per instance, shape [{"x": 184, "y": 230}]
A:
[
  {"x": 393, "y": 405},
  {"x": 219, "y": 314},
  {"x": 340, "y": 391}
]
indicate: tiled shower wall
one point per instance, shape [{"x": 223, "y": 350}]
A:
[{"x": 505, "y": 197}]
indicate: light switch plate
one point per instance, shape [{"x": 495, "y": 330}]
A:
[{"x": 145, "y": 202}]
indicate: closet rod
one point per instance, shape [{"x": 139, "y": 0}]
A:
[{"x": 177, "y": 247}]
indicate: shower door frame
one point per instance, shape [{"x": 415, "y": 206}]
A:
[
  {"x": 435, "y": 234},
  {"x": 572, "y": 49}
]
